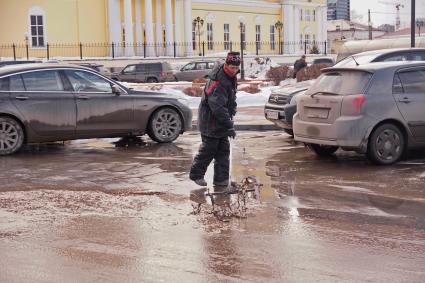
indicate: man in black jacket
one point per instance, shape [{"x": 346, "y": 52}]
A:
[
  {"x": 298, "y": 65},
  {"x": 215, "y": 122}
]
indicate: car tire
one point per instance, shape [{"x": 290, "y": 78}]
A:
[
  {"x": 289, "y": 132},
  {"x": 11, "y": 136},
  {"x": 152, "y": 80},
  {"x": 386, "y": 145},
  {"x": 165, "y": 125},
  {"x": 322, "y": 150}
]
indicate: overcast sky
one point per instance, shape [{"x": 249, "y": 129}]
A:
[{"x": 386, "y": 14}]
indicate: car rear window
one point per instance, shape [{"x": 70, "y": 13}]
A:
[
  {"x": 341, "y": 82},
  {"x": 154, "y": 67}
]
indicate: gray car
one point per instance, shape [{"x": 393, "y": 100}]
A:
[
  {"x": 377, "y": 109},
  {"x": 194, "y": 70},
  {"x": 55, "y": 102}
]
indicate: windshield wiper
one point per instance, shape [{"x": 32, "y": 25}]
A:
[{"x": 324, "y": 92}]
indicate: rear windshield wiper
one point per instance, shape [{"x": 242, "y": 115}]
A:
[{"x": 324, "y": 92}]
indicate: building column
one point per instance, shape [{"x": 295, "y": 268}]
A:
[
  {"x": 158, "y": 28},
  {"x": 114, "y": 16},
  {"x": 188, "y": 27},
  {"x": 139, "y": 30},
  {"x": 177, "y": 26},
  {"x": 168, "y": 28},
  {"x": 324, "y": 13},
  {"x": 150, "y": 49},
  {"x": 128, "y": 26},
  {"x": 288, "y": 28},
  {"x": 297, "y": 23}
]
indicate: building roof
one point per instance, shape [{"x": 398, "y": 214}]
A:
[
  {"x": 399, "y": 33},
  {"x": 346, "y": 25}
]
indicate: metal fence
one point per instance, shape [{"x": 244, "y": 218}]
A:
[{"x": 174, "y": 49}]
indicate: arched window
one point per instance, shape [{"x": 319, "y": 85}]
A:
[{"x": 37, "y": 27}]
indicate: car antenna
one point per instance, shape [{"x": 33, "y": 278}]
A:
[{"x": 357, "y": 64}]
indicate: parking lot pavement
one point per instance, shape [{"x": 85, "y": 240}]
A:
[
  {"x": 87, "y": 211},
  {"x": 250, "y": 118}
]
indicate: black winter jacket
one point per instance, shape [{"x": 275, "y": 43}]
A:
[{"x": 218, "y": 104}]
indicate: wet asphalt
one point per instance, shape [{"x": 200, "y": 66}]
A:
[{"x": 87, "y": 211}]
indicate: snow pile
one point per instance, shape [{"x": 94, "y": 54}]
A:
[{"x": 258, "y": 67}]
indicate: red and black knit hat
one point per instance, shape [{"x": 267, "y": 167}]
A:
[{"x": 233, "y": 58}]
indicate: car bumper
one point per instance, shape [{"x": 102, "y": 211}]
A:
[
  {"x": 281, "y": 116},
  {"x": 347, "y": 132}
]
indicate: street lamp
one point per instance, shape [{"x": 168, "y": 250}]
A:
[
  {"x": 197, "y": 24},
  {"x": 242, "y": 28},
  {"x": 279, "y": 25}
]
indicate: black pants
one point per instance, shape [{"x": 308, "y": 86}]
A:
[{"x": 212, "y": 148}]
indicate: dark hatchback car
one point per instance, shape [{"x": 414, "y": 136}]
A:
[
  {"x": 46, "y": 102},
  {"x": 146, "y": 73},
  {"x": 282, "y": 105}
]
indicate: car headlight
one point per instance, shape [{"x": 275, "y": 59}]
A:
[{"x": 183, "y": 101}]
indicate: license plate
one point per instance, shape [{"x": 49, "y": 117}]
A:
[
  {"x": 318, "y": 113},
  {"x": 272, "y": 115}
]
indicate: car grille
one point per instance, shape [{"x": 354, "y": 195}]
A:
[{"x": 279, "y": 99}]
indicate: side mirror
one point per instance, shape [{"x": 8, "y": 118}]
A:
[{"x": 116, "y": 90}]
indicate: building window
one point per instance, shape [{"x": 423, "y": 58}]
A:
[
  {"x": 307, "y": 40},
  {"x": 314, "y": 15},
  {"x": 272, "y": 38},
  {"x": 307, "y": 15},
  {"x": 226, "y": 36},
  {"x": 258, "y": 36},
  {"x": 210, "y": 36},
  {"x": 301, "y": 14},
  {"x": 193, "y": 37},
  {"x": 37, "y": 30}
]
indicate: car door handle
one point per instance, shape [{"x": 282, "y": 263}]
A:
[
  {"x": 21, "y": 97},
  {"x": 404, "y": 100},
  {"x": 83, "y": 97}
]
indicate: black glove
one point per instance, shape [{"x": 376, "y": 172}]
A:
[{"x": 231, "y": 133}]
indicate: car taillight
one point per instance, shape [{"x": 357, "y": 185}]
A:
[{"x": 352, "y": 104}]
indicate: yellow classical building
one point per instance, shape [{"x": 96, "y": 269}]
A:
[{"x": 103, "y": 28}]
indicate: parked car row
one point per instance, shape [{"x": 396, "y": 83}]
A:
[
  {"x": 55, "y": 102},
  {"x": 369, "y": 103},
  {"x": 155, "y": 72}
]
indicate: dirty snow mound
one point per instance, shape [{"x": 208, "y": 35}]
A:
[{"x": 258, "y": 67}]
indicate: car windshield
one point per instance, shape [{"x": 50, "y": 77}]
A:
[
  {"x": 360, "y": 59},
  {"x": 340, "y": 82}
]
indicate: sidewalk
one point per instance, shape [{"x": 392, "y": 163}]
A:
[{"x": 247, "y": 119}]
